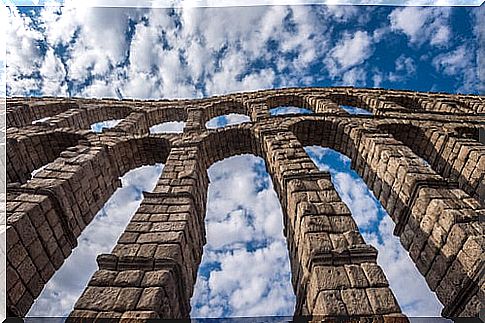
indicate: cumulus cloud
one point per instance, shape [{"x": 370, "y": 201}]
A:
[
  {"x": 227, "y": 120},
  {"x": 245, "y": 267},
  {"x": 193, "y": 52},
  {"x": 168, "y": 127},
  {"x": 352, "y": 49},
  {"x": 131, "y": 52},
  {"x": 347, "y": 60},
  {"x": 23, "y": 53},
  {"x": 99, "y": 126},
  {"x": 53, "y": 75},
  {"x": 422, "y": 24},
  {"x": 288, "y": 110},
  {"x": 460, "y": 63}
]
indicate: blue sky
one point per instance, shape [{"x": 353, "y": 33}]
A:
[{"x": 194, "y": 52}]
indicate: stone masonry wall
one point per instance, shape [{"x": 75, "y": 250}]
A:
[{"x": 418, "y": 152}]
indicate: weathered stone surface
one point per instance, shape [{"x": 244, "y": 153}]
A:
[
  {"x": 382, "y": 301},
  {"x": 356, "y": 276},
  {"x": 329, "y": 303},
  {"x": 98, "y": 298},
  {"x": 356, "y": 302},
  {"x": 151, "y": 299},
  {"x": 421, "y": 157},
  {"x": 129, "y": 278}
]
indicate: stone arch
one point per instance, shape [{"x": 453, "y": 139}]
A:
[
  {"x": 353, "y": 100},
  {"x": 171, "y": 220},
  {"x": 414, "y": 196},
  {"x": 19, "y": 115},
  {"x": 157, "y": 116},
  {"x": 407, "y": 102},
  {"x": 419, "y": 103},
  {"x": 135, "y": 152},
  {"x": 455, "y": 154},
  {"x": 86, "y": 115},
  {"x": 54, "y": 207},
  {"x": 465, "y": 132},
  {"x": 227, "y": 142},
  {"x": 296, "y": 100},
  {"x": 30, "y": 150},
  {"x": 322, "y": 236},
  {"x": 220, "y": 108}
]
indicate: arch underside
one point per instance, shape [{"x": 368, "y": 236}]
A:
[{"x": 425, "y": 169}]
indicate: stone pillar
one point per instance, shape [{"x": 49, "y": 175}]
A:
[
  {"x": 194, "y": 119},
  {"x": 436, "y": 221},
  {"x": 152, "y": 270},
  {"x": 323, "y": 105},
  {"x": 258, "y": 109},
  {"x": 334, "y": 272}
]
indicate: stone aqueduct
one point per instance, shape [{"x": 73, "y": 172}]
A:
[{"x": 420, "y": 153}]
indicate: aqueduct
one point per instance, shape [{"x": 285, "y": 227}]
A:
[{"x": 422, "y": 154}]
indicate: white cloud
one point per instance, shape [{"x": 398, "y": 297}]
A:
[
  {"x": 422, "y": 24},
  {"x": 157, "y": 53},
  {"x": 405, "y": 68},
  {"x": 405, "y": 64},
  {"x": 352, "y": 49},
  {"x": 227, "y": 120},
  {"x": 23, "y": 53},
  {"x": 355, "y": 76},
  {"x": 377, "y": 79},
  {"x": 168, "y": 127},
  {"x": 53, "y": 75},
  {"x": 461, "y": 64},
  {"x": 243, "y": 212},
  {"x": 99, "y": 126}
]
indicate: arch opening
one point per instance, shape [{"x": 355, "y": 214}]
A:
[
  {"x": 100, "y": 236},
  {"x": 41, "y": 120},
  {"x": 376, "y": 226},
  {"x": 168, "y": 127},
  {"x": 351, "y": 103},
  {"x": 106, "y": 124},
  {"x": 222, "y": 121},
  {"x": 245, "y": 268},
  {"x": 355, "y": 110},
  {"x": 288, "y": 110},
  {"x": 409, "y": 103}
]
